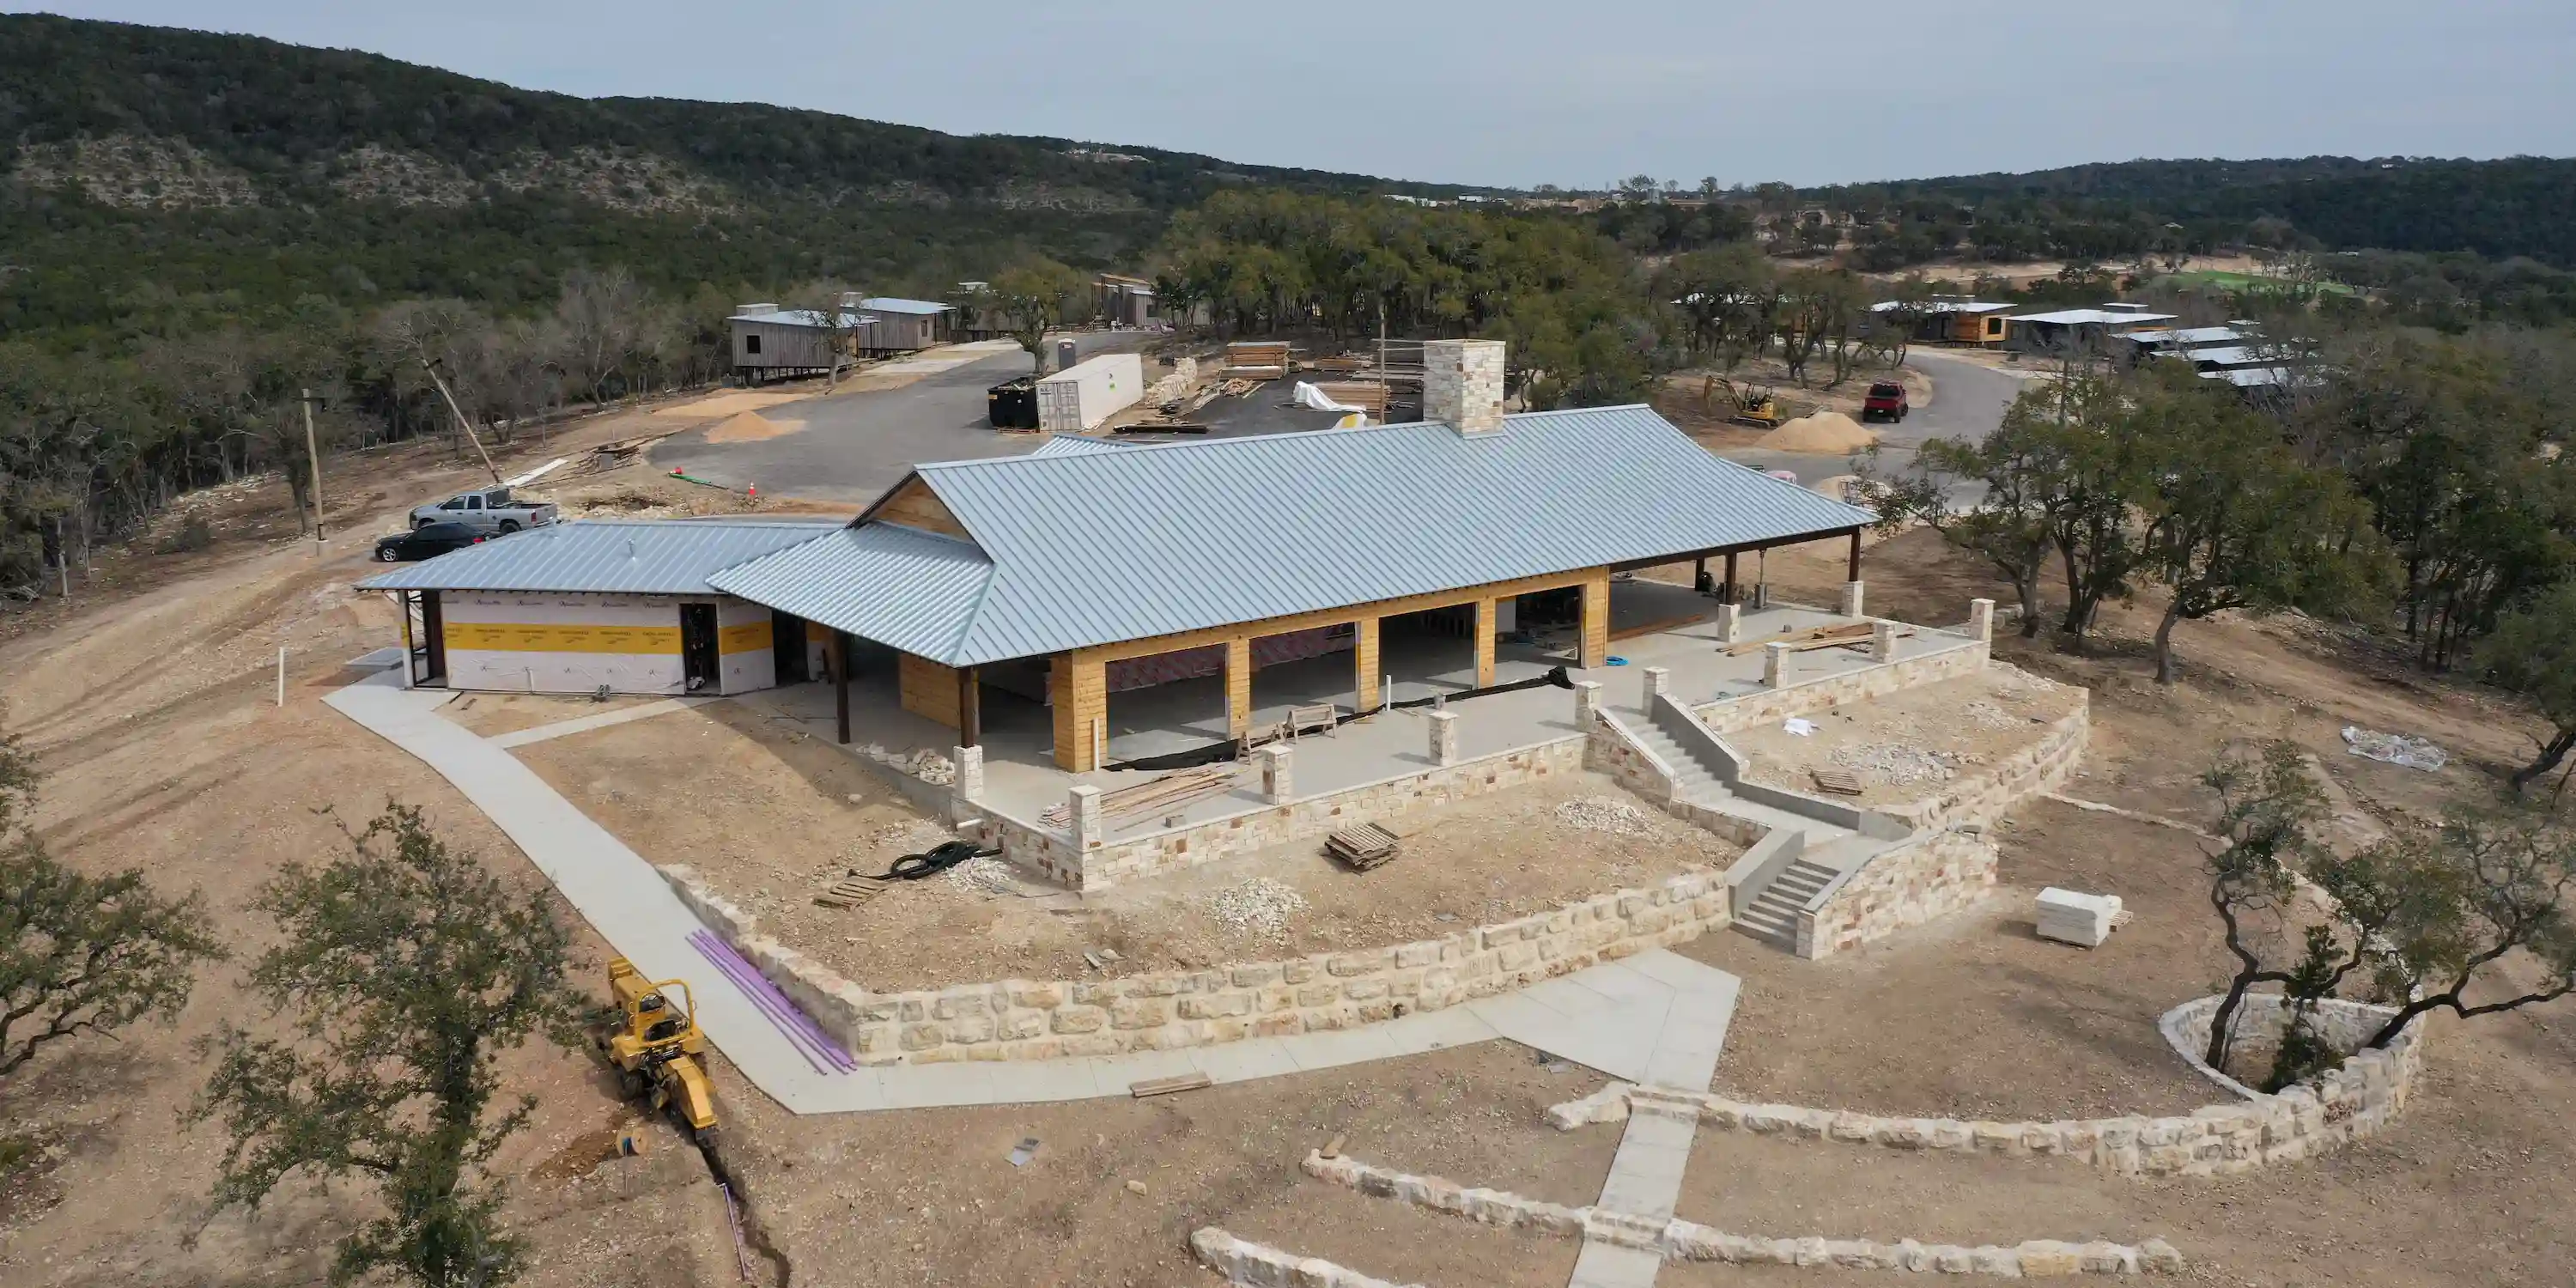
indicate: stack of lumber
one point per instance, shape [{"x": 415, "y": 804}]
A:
[
  {"x": 1367, "y": 395},
  {"x": 850, "y": 892},
  {"x": 1362, "y": 847},
  {"x": 1845, "y": 635},
  {"x": 2072, "y": 918},
  {"x": 1163, "y": 795},
  {"x": 1257, "y": 359},
  {"x": 1345, "y": 364}
]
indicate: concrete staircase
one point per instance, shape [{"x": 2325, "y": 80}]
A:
[{"x": 1830, "y": 850}]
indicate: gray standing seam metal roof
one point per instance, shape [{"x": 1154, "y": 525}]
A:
[
  {"x": 898, "y": 304},
  {"x": 1068, "y": 445},
  {"x": 607, "y": 556},
  {"x": 1097, "y": 547},
  {"x": 900, "y": 587}
]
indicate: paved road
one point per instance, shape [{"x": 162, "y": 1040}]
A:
[
  {"x": 856, "y": 445},
  {"x": 1968, "y": 402}
]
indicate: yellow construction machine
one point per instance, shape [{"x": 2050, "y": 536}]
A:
[
  {"x": 1750, "y": 404},
  {"x": 656, "y": 1048}
]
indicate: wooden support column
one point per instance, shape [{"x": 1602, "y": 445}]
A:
[
  {"x": 1595, "y": 649},
  {"x": 1485, "y": 642},
  {"x": 970, "y": 708},
  {"x": 1364, "y": 667},
  {"x": 1726, "y": 594},
  {"x": 1854, "y": 574},
  {"x": 841, "y": 682},
  {"x": 1078, "y": 690},
  {"x": 1238, "y": 686}
]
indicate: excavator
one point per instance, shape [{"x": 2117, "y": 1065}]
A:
[
  {"x": 657, "y": 1049},
  {"x": 1753, "y": 405}
]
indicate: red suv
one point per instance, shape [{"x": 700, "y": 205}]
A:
[{"x": 1886, "y": 401}]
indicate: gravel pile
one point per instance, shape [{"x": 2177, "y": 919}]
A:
[
  {"x": 1261, "y": 905},
  {"x": 1991, "y": 716},
  {"x": 982, "y": 876},
  {"x": 1606, "y": 814},
  {"x": 1893, "y": 763},
  {"x": 928, "y": 766}
]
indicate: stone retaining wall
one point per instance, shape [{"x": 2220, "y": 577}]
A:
[
  {"x": 1045, "y": 1020},
  {"x": 2350, "y": 1102},
  {"x": 1254, "y": 1265},
  {"x": 1677, "y": 1240},
  {"x": 1108, "y": 862},
  {"x": 1905, "y": 885},
  {"x": 1996, "y": 789},
  {"x": 1770, "y": 706}
]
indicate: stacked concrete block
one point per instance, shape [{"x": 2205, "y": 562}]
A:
[
  {"x": 1981, "y": 620},
  {"x": 1587, "y": 704},
  {"x": 1730, "y": 623},
  {"x": 1277, "y": 785},
  {"x": 1444, "y": 737},
  {"x": 1882, "y": 641},
  {"x": 1850, "y": 604},
  {"x": 1775, "y": 665}
]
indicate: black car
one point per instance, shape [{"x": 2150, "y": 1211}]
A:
[{"x": 428, "y": 541}]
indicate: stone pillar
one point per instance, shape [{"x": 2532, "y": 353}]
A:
[
  {"x": 1882, "y": 641},
  {"x": 969, "y": 784},
  {"x": 1444, "y": 737},
  {"x": 1658, "y": 682},
  {"x": 1587, "y": 704},
  {"x": 1730, "y": 624},
  {"x": 1775, "y": 665},
  {"x": 1850, "y": 606},
  {"x": 1981, "y": 620},
  {"x": 1084, "y": 805},
  {"x": 1276, "y": 785},
  {"x": 1462, "y": 385}
]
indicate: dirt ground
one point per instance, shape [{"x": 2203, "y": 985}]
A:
[
  {"x": 492, "y": 714},
  {"x": 1685, "y": 397},
  {"x": 703, "y": 788},
  {"x": 1905, "y": 746},
  {"x": 150, "y": 706}
]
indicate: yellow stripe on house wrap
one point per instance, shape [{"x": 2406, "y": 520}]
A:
[
  {"x": 744, "y": 637},
  {"x": 524, "y": 637}
]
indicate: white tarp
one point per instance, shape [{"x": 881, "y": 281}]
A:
[
  {"x": 2394, "y": 748},
  {"x": 1309, "y": 396}
]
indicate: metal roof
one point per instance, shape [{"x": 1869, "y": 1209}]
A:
[
  {"x": 800, "y": 317},
  {"x": 1094, "y": 547},
  {"x": 897, "y": 304},
  {"x": 911, "y": 590},
  {"x": 2082, "y": 317},
  {"x": 609, "y": 556},
  {"x": 2228, "y": 355},
  {"x": 1067, "y": 445},
  {"x": 2185, "y": 337},
  {"x": 1937, "y": 305}
]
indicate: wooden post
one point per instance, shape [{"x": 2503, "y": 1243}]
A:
[
  {"x": 841, "y": 682},
  {"x": 1726, "y": 593},
  {"x": 313, "y": 455},
  {"x": 1854, "y": 573},
  {"x": 1485, "y": 643},
  {"x": 1078, "y": 690},
  {"x": 970, "y": 708},
  {"x": 1595, "y": 647},
  {"x": 1365, "y": 697},
  {"x": 1238, "y": 686}
]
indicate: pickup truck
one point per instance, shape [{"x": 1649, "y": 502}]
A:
[{"x": 486, "y": 510}]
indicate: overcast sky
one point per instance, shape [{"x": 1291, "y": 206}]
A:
[{"x": 1520, "y": 92}]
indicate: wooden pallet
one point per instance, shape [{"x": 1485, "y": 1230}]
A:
[
  {"x": 1838, "y": 782},
  {"x": 850, "y": 892},
  {"x": 1362, "y": 847}
]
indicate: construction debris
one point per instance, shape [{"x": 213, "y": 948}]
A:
[
  {"x": 1815, "y": 637},
  {"x": 1362, "y": 847},
  {"x": 1261, "y": 905},
  {"x": 1606, "y": 814},
  {"x": 1895, "y": 763},
  {"x": 1836, "y": 782},
  {"x": 1260, "y": 359},
  {"x": 1024, "y": 1151}
]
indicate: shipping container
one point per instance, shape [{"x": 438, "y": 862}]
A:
[{"x": 1080, "y": 397}]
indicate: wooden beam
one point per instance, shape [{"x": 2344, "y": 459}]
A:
[
  {"x": 1726, "y": 593},
  {"x": 1238, "y": 686},
  {"x": 1335, "y": 616},
  {"x": 1854, "y": 574},
  {"x": 1595, "y": 649},
  {"x": 970, "y": 708},
  {"x": 1485, "y": 642},
  {"x": 1364, "y": 666}
]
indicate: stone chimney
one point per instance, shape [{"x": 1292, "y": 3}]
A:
[{"x": 1462, "y": 385}]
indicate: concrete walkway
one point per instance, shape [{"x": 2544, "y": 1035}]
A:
[
  {"x": 605, "y": 719},
  {"x": 1655, "y": 1017}
]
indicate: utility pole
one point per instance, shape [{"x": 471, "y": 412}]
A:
[
  {"x": 462, "y": 423},
  {"x": 313, "y": 455}
]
